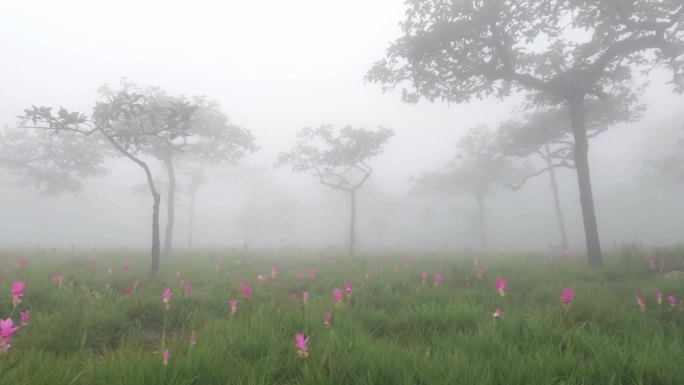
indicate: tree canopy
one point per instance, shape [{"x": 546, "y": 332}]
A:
[
  {"x": 456, "y": 50},
  {"x": 54, "y": 164},
  {"x": 338, "y": 159},
  {"x": 553, "y": 51}
]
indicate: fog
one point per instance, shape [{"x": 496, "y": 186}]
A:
[{"x": 276, "y": 67}]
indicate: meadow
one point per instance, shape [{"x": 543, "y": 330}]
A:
[{"x": 99, "y": 318}]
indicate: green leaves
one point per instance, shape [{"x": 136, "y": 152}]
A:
[{"x": 455, "y": 50}]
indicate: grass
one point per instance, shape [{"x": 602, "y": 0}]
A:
[{"x": 391, "y": 331}]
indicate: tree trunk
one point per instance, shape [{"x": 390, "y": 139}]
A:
[
  {"x": 170, "y": 204},
  {"x": 192, "y": 218},
  {"x": 556, "y": 198},
  {"x": 352, "y": 222},
  {"x": 155, "y": 232},
  {"x": 576, "y": 112},
  {"x": 481, "y": 215}
]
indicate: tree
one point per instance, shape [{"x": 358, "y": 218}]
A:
[
  {"x": 134, "y": 124},
  {"x": 213, "y": 139},
  {"x": 337, "y": 159},
  {"x": 671, "y": 166},
  {"x": 547, "y": 134},
  {"x": 54, "y": 164},
  {"x": 476, "y": 168},
  {"x": 556, "y": 51}
]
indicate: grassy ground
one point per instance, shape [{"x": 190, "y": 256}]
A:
[{"x": 392, "y": 330}]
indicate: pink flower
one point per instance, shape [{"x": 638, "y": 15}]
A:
[
  {"x": 438, "y": 280},
  {"x": 672, "y": 300},
  {"x": 498, "y": 313},
  {"x": 501, "y": 286},
  {"x": 312, "y": 273},
  {"x": 640, "y": 300},
  {"x": 659, "y": 297},
  {"x": 125, "y": 266},
  {"x": 233, "y": 306},
  {"x": 193, "y": 338},
  {"x": 423, "y": 278},
  {"x": 18, "y": 289},
  {"x": 337, "y": 296},
  {"x": 348, "y": 288},
  {"x": 302, "y": 344},
  {"x": 58, "y": 280},
  {"x": 186, "y": 289},
  {"x": 21, "y": 264},
  {"x": 566, "y": 297},
  {"x": 246, "y": 291},
  {"x": 166, "y": 298},
  {"x": 305, "y": 296},
  {"x": 274, "y": 272},
  {"x": 165, "y": 355},
  {"x": 6, "y": 331},
  {"x": 293, "y": 296},
  {"x": 261, "y": 278},
  {"x": 25, "y": 318},
  {"x": 327, "y": 317},
  {"x": 128, "y": 290},
  {"x": 300, "y": 276},
  {"x": 480, "y": 273}
]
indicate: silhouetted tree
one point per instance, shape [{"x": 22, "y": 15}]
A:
[
  {"x": 548, "y": 134},
  {"x": 337, "y": 159},
  {"x": 477, "y": 167},
  {"x": 212, "y": 140},
  {"x": 134, "y": 124},
  {"x": 556, "y": 51}
]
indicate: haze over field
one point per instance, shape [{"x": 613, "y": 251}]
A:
[{"x": 277, "y": 67}]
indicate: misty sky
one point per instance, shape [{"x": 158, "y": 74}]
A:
[{"x": 276, "y": 67}]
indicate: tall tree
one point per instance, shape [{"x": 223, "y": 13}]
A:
[
  {"x": 134, "y": 124},
  {"x": 213, "y": 139},
  {"x": 54, "y": 164},
  {"x": 476, "y": 168},
  {"x": 556, "y": 51},
  {"x": 548, "y": 135},
  {"x": 338, "y": 159}
]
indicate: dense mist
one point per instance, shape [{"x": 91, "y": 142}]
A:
[{"x": 297, "y": 65}]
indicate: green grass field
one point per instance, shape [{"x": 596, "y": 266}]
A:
[{"x": 391, "y": 330}]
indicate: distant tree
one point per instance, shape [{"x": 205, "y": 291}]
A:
[
  {"x": 134, "y": 124},
  {"x": 556, "y": 51},
  {"x": 197, "y": 177},
  {"x": 671, "y": 166},
  {"x": 212, "y": 140},
  {"x": 54, "y": 164},
  {"x": 548, "y": 135},
  {"x": 476, "y": 168},
  {"x": 337, "y": 159}
]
